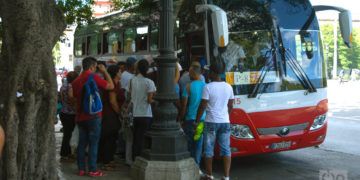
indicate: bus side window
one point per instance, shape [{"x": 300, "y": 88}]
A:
[
  {"x": 115, "y": 42},
  {"x": 120, "y": 43},
  {"x": 78, "y": 47},
  {"x": 93, "y": 44},
  {"x": 105, "y": 44},
  {"x": 88, "y": 40},
  {"x": 141, "y": 39},
  {"x": 83, "y": 46},
  {"x": 154, "y": 38},
  {"x": 98, "y": 44},
  {"x": 129, "y": 40}
]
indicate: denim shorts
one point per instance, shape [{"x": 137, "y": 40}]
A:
[{"x": 219, "y": 132}]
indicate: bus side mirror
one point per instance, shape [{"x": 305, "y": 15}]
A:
[
  {"x": 345, "y": 21},
  {"x": 219, "y": 22}
]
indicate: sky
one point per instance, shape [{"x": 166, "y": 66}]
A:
[{"x": 352, "y": 5}]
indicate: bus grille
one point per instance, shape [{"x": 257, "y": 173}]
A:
[{"x": 276, "y": 130}]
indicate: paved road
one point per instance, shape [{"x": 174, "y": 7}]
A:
[
  {"x": 344, "y": 124},
  {"x": 340, "y": 151}
]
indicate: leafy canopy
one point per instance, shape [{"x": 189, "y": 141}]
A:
[
  {"x": 76, "y": 11},
  {"x": 348, "y": 58},
  {"x": 124, "y": 4}
]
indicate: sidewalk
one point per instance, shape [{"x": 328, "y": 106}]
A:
[{"x": 68, "y": 170}]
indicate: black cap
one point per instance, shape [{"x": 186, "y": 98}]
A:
[{"x": 130, "y": 61}]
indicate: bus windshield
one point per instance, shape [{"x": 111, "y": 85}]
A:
[
  {"x": 305, "y": 48},
  {"x": 251, "y": 52},
  {"x": 247, "y": 55}
]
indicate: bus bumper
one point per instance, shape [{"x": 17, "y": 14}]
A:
[{"x": 275, "y": 143}]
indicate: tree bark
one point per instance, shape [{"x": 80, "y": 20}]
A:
[{"x": 30, "y": 30}]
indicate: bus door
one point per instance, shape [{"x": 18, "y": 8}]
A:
[{"x": 195, "y": 46}]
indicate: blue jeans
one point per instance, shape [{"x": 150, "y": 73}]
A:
[
  {"x": 194, "y": 147},
  {"x": 219, "y": 132},
  {"x": 89, "y": 134}
]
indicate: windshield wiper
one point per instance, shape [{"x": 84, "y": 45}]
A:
[
  {"x": 263, "y": 73},
  {"x": 299, "y": 71}
]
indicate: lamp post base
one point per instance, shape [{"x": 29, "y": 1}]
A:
[
  {"x": 144, "y": 169},
  {"x": 165, "y": 146}
]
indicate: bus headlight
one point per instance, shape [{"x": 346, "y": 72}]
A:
[
  {"x": 318, "y": 122},
  {"x": 241, "y": 131}
]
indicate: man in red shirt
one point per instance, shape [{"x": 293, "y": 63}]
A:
[{"x": 89, "y": 125}]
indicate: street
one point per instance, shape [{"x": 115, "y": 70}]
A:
[
  {"x": 338, "y": 155},
  {"x": 339, "y": 152}
]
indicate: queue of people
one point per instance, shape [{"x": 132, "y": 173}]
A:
[{"x": 126, "y": 94}]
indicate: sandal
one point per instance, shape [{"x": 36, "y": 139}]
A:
[{"x": 96, "y": 174}]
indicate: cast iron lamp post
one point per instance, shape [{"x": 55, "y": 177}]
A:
[
  {"x": 165, "y": 154},
  {"x": 164, "y": 141}
]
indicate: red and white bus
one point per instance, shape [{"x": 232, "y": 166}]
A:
[
  {"x": 274, "y": 61},
  {"x": 272, "y": 51}
]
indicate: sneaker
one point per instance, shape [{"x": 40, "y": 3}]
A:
[
  {"x": 96, "y": 174},
  {"x": 201, "y": 173},
  {"x": 206, "y": 177},
  {"x": 81, "y": 173},
  {"x": 225, "y": 178}
]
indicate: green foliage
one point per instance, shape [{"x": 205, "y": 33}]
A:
[
  {"x": 328, "y": 43},
  {"x": 348, "y": 58},
  {"x": 124, "y": 4},
  {"x": 76, "y": 11},
  {"x": 56, "y": 53}
]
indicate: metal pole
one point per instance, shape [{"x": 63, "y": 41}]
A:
[
  {"x": 327, "y": 61},
  {"x": 335, "y": 49},
  {"x": 207, "y": 44},
  {"x": 165, "y": 141}
]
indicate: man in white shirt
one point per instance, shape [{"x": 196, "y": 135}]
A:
[
  {"x": 217, "y": 100},
  {"x": 126, "y": 76},
  {"x": 142, "y": 91},
  {"x": 129, "y": 73}
]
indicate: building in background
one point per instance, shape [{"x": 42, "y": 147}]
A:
[
  {"x": 102, "y": 7},
  {"x": 66, "y": 49},
  {"x": 99, "y": 8}
]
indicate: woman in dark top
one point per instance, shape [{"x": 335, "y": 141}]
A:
[
  {"x": 112, "y": 101},
  {"x": 67, "y": 114}
]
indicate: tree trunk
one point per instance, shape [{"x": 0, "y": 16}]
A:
[{"x": 30, "y": 30}]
